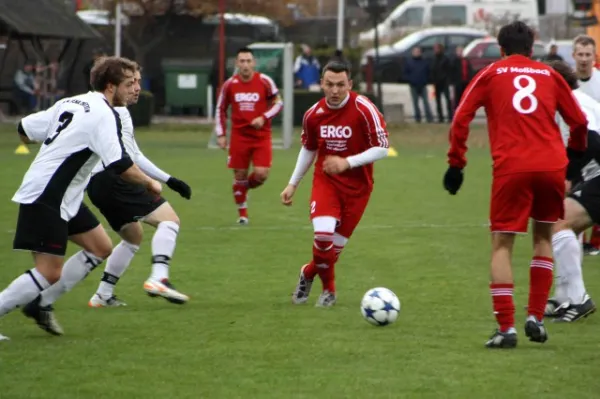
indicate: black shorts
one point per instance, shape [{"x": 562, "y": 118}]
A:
[
  {"x": 41, "y": 229},
  {"x": 119, "y": 201},
  {"x": 588, "y": 195}
]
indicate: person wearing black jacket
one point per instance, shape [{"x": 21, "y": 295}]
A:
[
  {"x": 416, "y": 72},
  {"x": 440, "y": 75}
]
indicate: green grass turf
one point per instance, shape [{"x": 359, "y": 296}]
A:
[{"x": 240, "y": 337}]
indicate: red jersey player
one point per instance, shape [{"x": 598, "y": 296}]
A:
[
  {"x": 521, "y": 98},
  {"x": 254, "y": 100},
  {"x": 346, "y": 133}
]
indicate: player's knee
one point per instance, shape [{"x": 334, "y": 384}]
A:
[
  {"x": 103, "y": 249},
  {"x": 323, "y": 251},
  {"x": 240, "y": 174}
]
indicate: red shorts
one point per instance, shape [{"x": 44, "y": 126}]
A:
[
  {"x": 243, "y": 150},
  {"x": 519, "y": 196},
  {"x": 326, "y": 200}
]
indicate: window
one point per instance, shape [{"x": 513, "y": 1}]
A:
[
  {"x": 448, "y": 15},
  {"x": 429, "y": 42},
  {"x": 459, "y": 40},
  {"x": 492, "y": 51},
  {"x": 411, "y": 17}
]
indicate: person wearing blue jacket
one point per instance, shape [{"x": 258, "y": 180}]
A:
[
  {"x": 416, "y": 73},
  {"x": 307, "y": 69}
]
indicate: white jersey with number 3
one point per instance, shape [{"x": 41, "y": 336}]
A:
[{"x": 77, "y": 133}]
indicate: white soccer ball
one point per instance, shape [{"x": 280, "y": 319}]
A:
[{"x": 380, "y": 306}]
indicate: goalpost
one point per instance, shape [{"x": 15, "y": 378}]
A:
[{"x": 277, "y": 61}]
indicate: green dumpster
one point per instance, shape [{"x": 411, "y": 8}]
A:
[{"x": 186, "y": 82}]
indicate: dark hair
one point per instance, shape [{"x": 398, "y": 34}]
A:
[
  {"x": 336, "y": 66},
  {"x": 245, "y": 50},
  {"x": 516, "y": 38},
  {"x": 566, "y": 72},
  {"x": 584, "y": 40},
  {"x": 110, "y": 70}
]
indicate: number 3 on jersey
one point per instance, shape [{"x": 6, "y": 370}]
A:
[
  {"x": 64, "y": 120},
  {"x": 525, "y": 92}
]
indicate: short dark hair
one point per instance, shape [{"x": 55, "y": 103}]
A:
[
  {"x": 566, "y": 72},
  {"x": 244, "y": 50},
  {"x": 516, "y": 38},
  {"x": 337, "y": 66},
  {"x": 110, "y": 70}
]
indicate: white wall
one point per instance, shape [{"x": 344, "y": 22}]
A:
[{"x": 559, "y": 6}]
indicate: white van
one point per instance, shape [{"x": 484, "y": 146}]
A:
[{"x": 413, "y": 15}]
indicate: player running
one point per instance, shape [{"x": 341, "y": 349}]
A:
[
  {"x": 582, "y": 208},
  {"x": 521, "y": 98},
  {"x": 346, "y": 133},
  {"x": 84, "y": 130},
  {"x": 254, "y": 100}
]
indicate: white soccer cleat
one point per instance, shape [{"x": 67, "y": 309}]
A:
[
  {"x": 98, "y": 301},
  {"x": 326, "y": 300},
  {"x": 243, "y": 221},
  {"x": 302, "y": 290},
  {"x": 166, "y": 290},
  {"x": 4, "y": 338}
]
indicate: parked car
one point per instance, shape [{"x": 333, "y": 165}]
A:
[
  {"x": 391, "y": 58},
  {"x": 482, "y": 52}
]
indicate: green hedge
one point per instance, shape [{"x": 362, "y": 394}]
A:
[{"x": 141, "y": 113}]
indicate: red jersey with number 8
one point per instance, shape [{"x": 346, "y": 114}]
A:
[{"x": 521, "y": 98}]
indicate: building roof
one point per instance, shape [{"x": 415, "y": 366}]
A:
[{"x": 44, "y": 19}]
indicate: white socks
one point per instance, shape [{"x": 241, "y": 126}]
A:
[
  {"x": 116, "y": 265},
  {"x": 163, "y": 246},
  {"x": 568, "y": 278},
  {"x": 76, "y": 268},
  {"x": 22, "y": 290}
]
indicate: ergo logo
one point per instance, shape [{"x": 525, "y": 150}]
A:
[
  {"x": 336, "y": 132},
  {"x": 246, "y": 97}
]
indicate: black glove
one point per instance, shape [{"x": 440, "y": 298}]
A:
[
  {"x": 453, "y": 179},
  {"x": 180, "y": 186}
]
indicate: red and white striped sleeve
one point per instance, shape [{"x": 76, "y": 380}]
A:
[
  {"x": 374, "y": 121},
  {"x": 222, "y": 105},
  {"x": 272, "y": 96}
]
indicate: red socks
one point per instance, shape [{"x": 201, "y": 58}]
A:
[
  {"x": 504, "y": 307},
  {"x": 240, "y": 190},
  {"x": 540, "y": 283},
  {"x": 324, "y": 259}
]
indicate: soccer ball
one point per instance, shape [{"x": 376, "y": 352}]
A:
[{"x": 380, "y": 306}]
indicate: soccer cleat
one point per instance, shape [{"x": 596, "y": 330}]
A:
[
  {"x": 535, "y": 330},
  {"x": 553, "y": 308},
  {"x": 97, "y": 301},
  {"x": 576, "y": 312},
  {"x": 326, "y": 300},
  {"x": 165, "y": 289},
  {"x": 589, "y": 249},
  {"x": 4, "y": 338},
  {"x": 243, "y": 221},
  {"x": 43, "y": 316},
  {"x": 302, "y": 290},
  {"x": 500, "y": 340}
]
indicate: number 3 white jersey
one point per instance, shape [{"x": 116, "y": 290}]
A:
[{"x": 77, "y": 133}]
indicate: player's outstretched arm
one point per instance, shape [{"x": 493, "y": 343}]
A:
[
  {"x": 149, "y": 168},
  {"x": 305, "y": 160},
  {"x": 221, "y": 116},
  {"x": 473, "y": 98}
]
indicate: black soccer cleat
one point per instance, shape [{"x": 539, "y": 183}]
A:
[
  {"x": 500, "y": 340},
  {"x": 43, "y": 316},
  {"x": 536, "y": 331},
  {"x": 577, "y": 312}
]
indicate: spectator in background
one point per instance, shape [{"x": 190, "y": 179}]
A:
[
  {"x": 552, "y": 54},
  {"x": 460, "y": 75},
  {"x": 307, "y": 70},
  {"x": 416, "y": 73},
  {"x": 440, "y": 75},
  {"x": 25, "y": 89}
]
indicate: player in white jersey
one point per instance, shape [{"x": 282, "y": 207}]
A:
[
  {"x": 80, "y": 131},
  {"x": 582, "y": 208},
  {"x": 124, "y": 205},
  {"x": 584, "y": 54}
]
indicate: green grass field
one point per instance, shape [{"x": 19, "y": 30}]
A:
[{"x": 240, "y": 337}]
